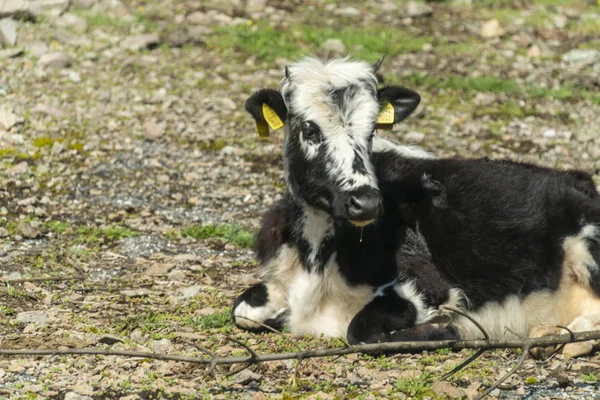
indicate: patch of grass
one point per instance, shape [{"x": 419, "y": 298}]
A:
[
  {"x": 58, "y": 227},
  {"x": 217, "y": 320},
  {"x": 531, "y": 380},
  {"x": 268, "y": 43},
  {"x": 416, "y": 387},
  {"x": 229, "y": 233},
  {"x": 590, "y": 378},
  {"x": 109, "y": 233}
]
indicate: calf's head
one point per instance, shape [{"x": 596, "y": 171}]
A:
[{"x": 330, "y": 111}]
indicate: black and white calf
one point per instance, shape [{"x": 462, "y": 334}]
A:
[{"x": 372, "y": 238}]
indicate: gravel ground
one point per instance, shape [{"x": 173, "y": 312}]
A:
[{"x": 130, "y": 173}]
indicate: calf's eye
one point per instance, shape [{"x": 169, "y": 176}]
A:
[{"x": 310, "y": 131}]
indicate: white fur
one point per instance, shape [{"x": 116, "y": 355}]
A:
[
  {"x": 252, "y": 317},
  {"x": 317, "y": 226},
  {"x": 381, "y": 144},
  {"x": 324, "y": 304},
  {"x": 311, "y": 79}
]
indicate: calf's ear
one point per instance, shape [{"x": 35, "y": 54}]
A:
[
  {"x": 397, "y": 103},
  {"x": 268, "y": 110}
]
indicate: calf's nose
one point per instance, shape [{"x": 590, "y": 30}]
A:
[{"x": 364, "y": 207}]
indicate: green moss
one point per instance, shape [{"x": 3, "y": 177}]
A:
[
  {"x": 590, "y": 378},
  {"x": 229, "y": 233},
  {"x": 216, "y": 320},
  {"x": 43, "y": 142},
  {"x": 531, "y": 380},
  {"x": 418, "y": 387},
  {"x": 109, "y": 233}
]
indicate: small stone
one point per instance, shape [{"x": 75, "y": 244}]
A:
[
  {"x": 245, "y": 377},
  {"x": 140, "y": 42},
  {"x": 109, "y": 339},
  {"x": 55, "y": 61},
  {"x": 136, "y": 292},
  {"x": 161, "y": 346},
  {"x": 31, "y": 317},
  {"x": 8, "y": 119},
  {"x": 534, "y": 51},
  {"x": 495, "y": 393},
  {"x": 228, "y": 104},
  {"x": 153, "y": 131},
  {"x": 83, "y": 4},
  {"x": 73, "y": 22},
  {"x": 577, "y": 56},
  {"x": 19, "y": 169},
  {"x": 176, "y": 38},
  {"x": 414, "y": 137},
  {"x": 348, "y": 12},
  {"x": 197, "y": 35},
  {"x": 37, "y": 48},
  {"x": 75, "y": 396},
  {"x": 334, "y": 46},
  {"x": 473, "y": 390},
  {"x": 444, "y": 389},
  {"x": 259, "y": 396},
  {"x": 255, "y": 6},
  {"x": 8, "y": 32},
  {"x": 28, "y": 230},
  {"x": 16, "y": 8},
  {"x": 197, "y": 18},
  {"x": 191, "y": 291},
  {"x": 159, "y": 269},
  {"x": 413, "y": 9},
  {"x": 550, "y": 133},
  {"x": 563, "y": 380},
  {"x": 491, "y": 29},
  {"x": 176, "y": 275},
  {"x": 11, "y": 53},
  {"x": 560, "y": 21},
  {"x": 3, "y": 232},
  {"x": 74, "y": 76}
]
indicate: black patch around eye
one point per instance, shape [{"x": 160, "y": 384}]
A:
[{"x": 311, "y": 131}]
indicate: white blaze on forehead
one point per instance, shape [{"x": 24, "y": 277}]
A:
[{"x": 340, "y": 97}]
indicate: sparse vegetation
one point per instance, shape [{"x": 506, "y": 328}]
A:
[{"x": 230, "y": 233}]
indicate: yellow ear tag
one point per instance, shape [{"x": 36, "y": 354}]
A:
[
  {"x": 271, "y": 117},
  {"x": 386, "y": 116},
  {"x": 263, "y": 129}
]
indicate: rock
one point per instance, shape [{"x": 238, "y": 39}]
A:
[
  {"x": 75, "y": 396},
  {"x": 136, "y": 292},
  {"x": 444, "y": 389},
  {"x": 3, "y": 232},
  {"x": 255, "y": 6},
  {"x": 534, "y": 51},
  {"x": 577, "y": 56},
  {"x": 259, "y": 396},
  {"x": 31, "y": 317},
  {"x": 491, "y": 29},
  {"x": 161, "y": 346},
  {"x": 11, "y": 53},
  {"x": 563, "y": 380},
  {"x": 140, "y": 42},
  {"x": 8, "y": 32},
  {"x": 473, "y": 390},
  {"x": 245, "y": 377},
  {"x": 73, "y": 22},
  {"x": 83, "y": 4},
  {"x": 228, "y": 104},
  {"x": 109, "y": 339},
  {"x": 414, "y": 137},
  {"x": 560, "y": 21},
  {"x": 8, "y": 119},
  {"x": 27, "y": 230},
  {"x": 176, "y": 38},
  {"x": 159, "y": 269},
  {"x": 191, "y": 291},
  {"x": 572, "y": 350},
  {"x": 37, "y": 48},
  {"x": 197, "y": 18},
  {"x": 334, "y": 46},
  {"x": 348, "y": 12},
  {"x": 19, "y": 169},
  {"x": 16, "y": 8},
  {"x": 52, "y": 61},
  {"x": 550, "y": 133},
  {"x": 152, "y": 132},
  {"x": 197, "y": 34},
  {"x": 55, "y": 7},
  {"x": 412, "y": 9}
]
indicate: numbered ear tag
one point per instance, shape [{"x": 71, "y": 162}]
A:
[
  {"x": 271, "y": 117},
  {"x": 386, "y": 116}
]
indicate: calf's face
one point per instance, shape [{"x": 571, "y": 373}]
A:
[{"x": 330, "y": 111}]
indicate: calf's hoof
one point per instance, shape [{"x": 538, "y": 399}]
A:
[{"x": 253, "y": 310}]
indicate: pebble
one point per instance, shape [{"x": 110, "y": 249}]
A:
[
  {"x": 491, "y": 29},
  {"x": 161, "y": 346},
  {"x": 581, "y": 56},
  {"x": 3, "y": 232},
  {"x": 31, "y": 317},
  {"x": 255, "y": 6},
  {"x": 8, "y": 32},
  {"x": 8, "y": 118},
  {"x": 414, "y": 137},
  {"x": 73, "y": 22},
  {"x": 28, "y": 230},
  {"x": 444, "y": 389},
  {"x": 550, "y": 133},
  {"x": 153, "y": 131},
  {"x": 140, "y": 42},
  {"x": 348, "y": 12},
  {"x": 51, "y": 61},
  {"x": 245, "y": 377},
  {"x": 190, "y": 291},
  {"x": 197, "y": 18},
  {"x": 109, "y": 339},
  {"x": 37, "y": 48},
  {"x": 413, "y": 9},
  {"x": 335, "y": 46},
  {"x": 75, "y": 396}
]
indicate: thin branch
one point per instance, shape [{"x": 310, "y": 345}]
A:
[
  {"x": 467, "y": 316},
  {"x": 514, "y": 369},
  {"x": 42, "y": 279},
  {"x": 250, "y": 362},
  {"x": 362, "y": 348}
]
